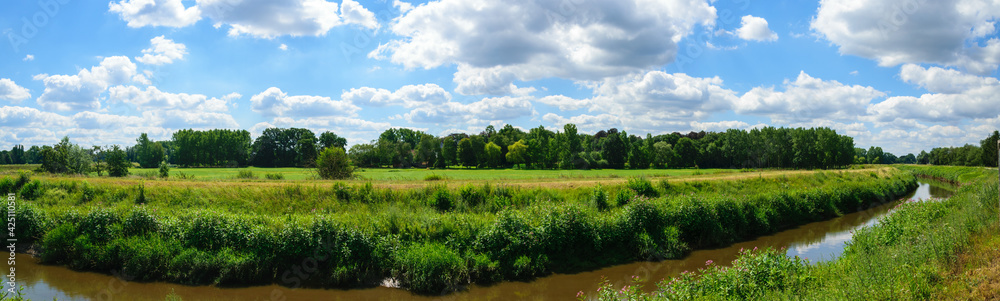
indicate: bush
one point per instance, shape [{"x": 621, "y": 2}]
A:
[
  {"x": 623, "y": 197},
  {"x": 332, "y": 163},
  {"x": 599, "y": 199},
  {"x": 642, "y": 186},
  {"x": 164, "y": 170},
  {"x": 441, "y": 199},
  {"x": 245, "y": 174},
  {"x": 274, "y": 176},
  {"x": 57, "y": 245},
  {"x": 430, "y": 268},
  {"x": 32, "y": 190},
  {"x": 433, "y": 177},
  {"x": 6, "y": 186}
]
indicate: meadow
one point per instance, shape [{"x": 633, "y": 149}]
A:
[
  {"x": 431, "y": 237},
  {"x": 911, "y": 254}
]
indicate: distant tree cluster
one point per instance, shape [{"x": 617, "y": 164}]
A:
[
  {"x": 228, "y": 148},
  {"x": 985, "y": 154},
  {"x": 567, "y": 149}
]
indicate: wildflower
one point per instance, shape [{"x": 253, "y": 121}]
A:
[
  {"x": 709, "y": 262},
  {"x": 580, "y": 294}
]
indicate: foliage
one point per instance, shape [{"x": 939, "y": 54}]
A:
[
  {"x": 150, "y": 153},
  {"x": 219, "y": 147},
  {"x": 245, "y": 174},
  {"x": 164, "y": 169},
  {"x": 332, "y": 163},
  {"x": 117, "y": 163},
  {"x": 274, "y": 176}
]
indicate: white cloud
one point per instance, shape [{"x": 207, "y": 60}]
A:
[
  {"x": 718, "y": 126},
  {"x": 12, "y": 92},
  {"x": 178, "y": 119},
  {"x": 565, "y": 103},
  {"x": 355, "y": 130},
  {"x": 273, "y": 18},
  {"x": 494, "y": 43},
  {"x": 81, "y": 91},
  {"x": 755, "y": 29},
  {"x": 409, "y": 96},
  {"x": 353, "y": 13},
  {"x": 153, "y": 99},
  {"x": 899, "y": 32},
  {"x": 402, "y": 6},
  {"x": 25, "y": 117},
  {"x": 28, "y": 58},
  {"x": 169, "y": 13},
  {"x": 283, "y": 47},
  {"x": 675, "y": 95},
  {"x": 275, "y": 103},
  {"x": 808, "y": 98},
  {"x": 954, "y": 97},
  {"x": 162, "y": 51}
]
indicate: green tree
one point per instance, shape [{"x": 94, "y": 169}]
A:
[
  {"x": 615, "y": 150},
  {"x": 875, "y": 155},
  {"x": 686, "y": 151},
  {"x": 517, "y": 153},
  {"x": 117, "y": 162},
  {"x": 989, "y": 149},
  {"x": 164, "y": 170},
  {"x": 333, "y": 163},
  {"x": 467, "y": 153},
  {"x": 150, "y": 153},
  {"x": 493, "y": 155},
  {"x": 329, "y": 139}
]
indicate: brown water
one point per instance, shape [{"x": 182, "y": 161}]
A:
[{"x": 816, "y": 241}]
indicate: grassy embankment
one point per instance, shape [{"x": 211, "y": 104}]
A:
[
  {"x": 431, "y": 238},
  {"x": 919, "y": 251}
]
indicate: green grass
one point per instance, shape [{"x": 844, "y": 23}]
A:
[
  {"x": 903, "y": 257},
  {"x": 384, "y": 174},
  {"x": 432, "y": 237}
]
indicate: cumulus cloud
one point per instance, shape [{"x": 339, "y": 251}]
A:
[
  {"x": 82, "y": 91},
  {"x": 269, "y": 18},
  {"x": 28, "y": 58},
  {"x": 12, "y": 92},
  {"x": 275, "y": 103},
  {"x": 954, "y": 96},
  {"x": 14, "y": 117},
  {"x": 168, "y": 13},
  {"x": 153, "y": 99},
  {"x": 162, "y": 51},
  {"x": 409, "y": 96},
  {"x": 755, "y": 29},
  {"x": 494, "y": 43},
  {"x": 950, "y": 33},
  {"x": 808, "y": 98}
]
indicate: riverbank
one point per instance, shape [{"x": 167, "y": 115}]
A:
[
  {"x": 907, "y": 255},
  {"x": 431, "y": 240}
]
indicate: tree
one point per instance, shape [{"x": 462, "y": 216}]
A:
[
  {"x": 570, "y": 146},
  {"x": 329, "y": 139},
  {"x": 615, "y": 150},
  {"x": 875, "y": 155},
  {"x": 687, "y": 153},
  {"x": 150, "y": 153},
  {"x": 923, "y": 158},
  {"x": 467, "y": 153},
  {"x": 493, "y": 155},
  {"x": 989, "y": 149},
  {"x": 450, "y": 149},
  {"x": 117, "y": 162},
  {"x": 164, "y": 169},
  {"x": 17, "y": 155},
  {"x": 663, "y": 155},
  {"x": 332, "y": 163},
  {"x": 517, "y": 153}
]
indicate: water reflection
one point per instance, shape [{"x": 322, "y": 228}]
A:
[{"x": 816, "y": 241}]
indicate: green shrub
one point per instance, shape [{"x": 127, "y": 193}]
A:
[
  {"x": 23, "y": 178},
  {"x": 642, "y": 186},
  {"x": 333, "y": 163},
  {"x": 599, "y": 199},
  {"x": 184, "y": 176},
  {"x": 32, "y": 190},
  {"x": 433, "y": 177},
  {"x": 245, "y": 174},
  {"x": 164, "y": 170},
  {"x": 623, "y": 197},
  {"x": 139, "y": 222},
  {"x": 430, "y": 268},
  {"x": 342, "y": 191},
  {"x": 6, "y": 186},
  {"x": 87, "y": 193},
  {"x": 57, "y": 245},
  {"x": 441, "y": 199},
  {"x": 274, "y": 176},
  {"x": 472, "y": 195}
]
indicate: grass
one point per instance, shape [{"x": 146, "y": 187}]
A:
[
  {"x": 432, "y": 237},
  {"x": 922, "y": 250}
]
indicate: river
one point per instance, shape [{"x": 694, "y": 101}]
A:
[{"x": 816, "y": 241}]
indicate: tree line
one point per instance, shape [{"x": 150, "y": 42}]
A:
[{"x": 537, "y": 148}]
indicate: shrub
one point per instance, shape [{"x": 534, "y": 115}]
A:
[
  {"x": 472, "y": 195},
  {"x": 433, "y": 177},
  {"x": 342, "y": 191},
  {"x": 245, "y": 174},
  {"x": 139, "y": 222},
  {"x": 6, "y": 186},
  {"x": 332, "y": 163},
  {"x": 57, "y": 245},
  {"x": 623, "y": 197},
  {"x": 274, "y": 176},
  {"x": 32, "y": 190},
  {"x": 599, "y": 199},
  {"x": 642, "y": 186},
  {"x": 164, "y": 170},
  {"x": 430, "y": 268},
  {"x": 441, "y": 199},
  {"x": 184, "y": 176}
]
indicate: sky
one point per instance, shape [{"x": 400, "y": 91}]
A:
[{"x": 906, "y": 75}]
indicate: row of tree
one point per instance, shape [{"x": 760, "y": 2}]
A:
[
  {"x": 985, "y": 154},
  {"x": 569, "y": 149}
]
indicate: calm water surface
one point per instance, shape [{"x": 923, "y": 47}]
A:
[{"x": 818, "y": 241}]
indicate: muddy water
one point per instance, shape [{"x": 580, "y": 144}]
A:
[{"x": 816, "y": 241}]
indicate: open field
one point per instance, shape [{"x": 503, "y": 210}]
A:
[
  {"x": 428, "y": 236},
  {"x": 931, "y": 250}
]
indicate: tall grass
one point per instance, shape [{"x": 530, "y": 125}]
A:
[{"x": 431, "y": 239}]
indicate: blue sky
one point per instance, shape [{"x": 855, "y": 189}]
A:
[{"x": 905, "y": 75}]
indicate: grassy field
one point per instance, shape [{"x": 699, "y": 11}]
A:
[
  {"x": 460, "y": 174},
  {"x": 921, "y": 251},
  {"x": 431, "y": 235}
]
